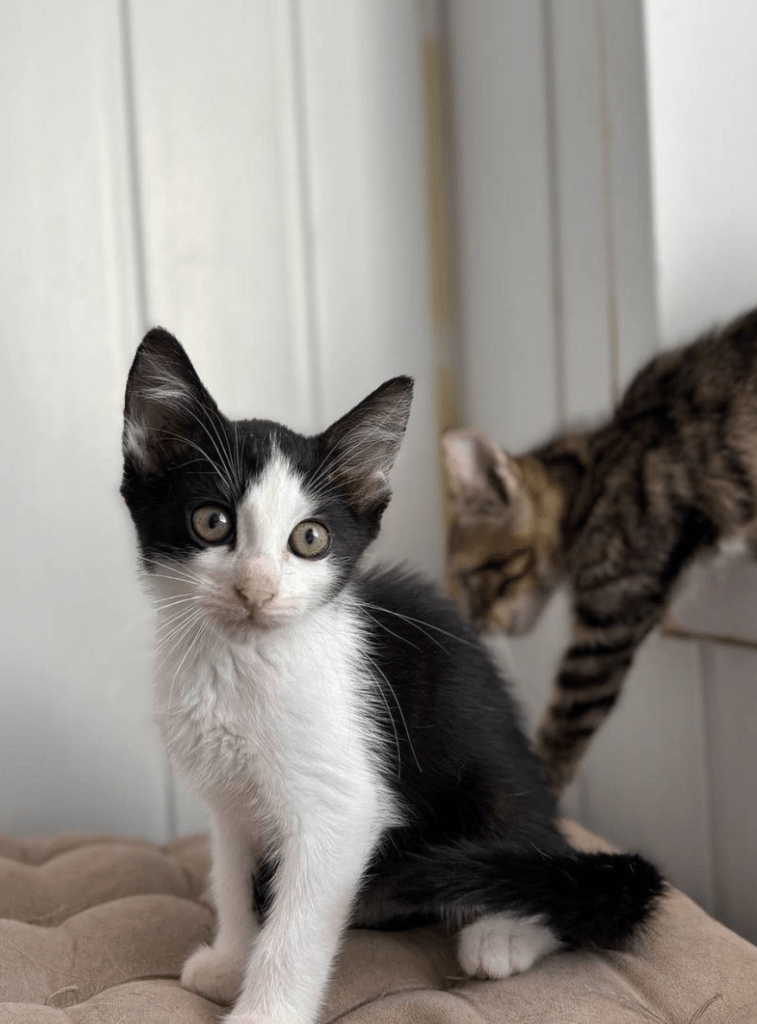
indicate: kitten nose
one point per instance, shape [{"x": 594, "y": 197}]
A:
[{"x": 257, "y": 583}]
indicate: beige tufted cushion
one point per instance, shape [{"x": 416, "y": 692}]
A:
[{"x": 94, "y": 930}]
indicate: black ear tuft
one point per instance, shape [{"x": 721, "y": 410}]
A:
[
  {"x": 165, "y": 403},
  {"x": 364, "y": 443}
]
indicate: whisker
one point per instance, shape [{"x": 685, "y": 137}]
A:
[
  {"x": 177, "y": 634},
  {"x": 237, "y": 456},
  {"x": 419, "y": 623},
  {"x": 343, "y": 455},
  {"x": 224, "y": 453},
  {"x": 394, "y": 726},
  {"x": 193, "y": 643},
  {"x": 178, "y": 570},
  {"x": 391, "y": 717},
  {"x": 168, "y": 621},
  {"x": 389, "y": 631},
  {"x": 163, "y": 603},
  {"x": 173, "y": 579},
  {"x": 220, "y": 470}
]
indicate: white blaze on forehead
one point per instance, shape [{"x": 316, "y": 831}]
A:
[{"x": 273, "y": 505}]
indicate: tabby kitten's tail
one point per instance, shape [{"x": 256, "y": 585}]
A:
[{"x": 586, "y": 899}]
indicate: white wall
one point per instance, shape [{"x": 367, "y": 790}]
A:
[
  {"x": 703, "y": 110},
  {"x": 703, "y": 105},
  {"x": 250, "y": 177}
]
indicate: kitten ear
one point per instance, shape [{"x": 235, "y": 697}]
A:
[
  {"x": 364, "y": 443},
  {"x": 480, "y": 473},
  {"x": 165, "y": 402}
]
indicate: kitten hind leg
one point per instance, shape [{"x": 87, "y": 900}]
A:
[{"x": 498, "y": 945}]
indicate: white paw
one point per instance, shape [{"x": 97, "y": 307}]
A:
[
  {"x": 499, "y": 945},
  {"x": 253, "y": 1018},
  {"x": 216, "y": 973}
]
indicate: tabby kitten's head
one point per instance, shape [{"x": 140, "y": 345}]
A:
[
  {"x": 248, "y": 526},
  {"x": 503, "y": 556}
]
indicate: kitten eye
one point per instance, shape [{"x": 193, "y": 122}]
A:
[
  {"x": 211, "y": 524},
  {"x": 520, "y": 564},
  {"x": 309, "y": 539}
]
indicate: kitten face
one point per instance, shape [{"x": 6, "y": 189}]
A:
[
  {"x": 279, "y": 561},
  {"x": 501, "y": 537},
  {"x": 246, "y": 527},
  {"x": 498, "y": 579}
]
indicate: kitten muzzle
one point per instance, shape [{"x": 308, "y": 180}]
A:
[{"x": 257, "y": 584}]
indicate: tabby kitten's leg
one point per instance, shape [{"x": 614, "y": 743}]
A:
[
  {"x": 218, "y": 971},
  {"x": 604, "y": 639}
]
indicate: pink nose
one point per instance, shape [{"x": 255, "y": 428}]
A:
[{"x": 257, "y": 583}]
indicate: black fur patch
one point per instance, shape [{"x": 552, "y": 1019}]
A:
[{"x": 587, "y": 899}]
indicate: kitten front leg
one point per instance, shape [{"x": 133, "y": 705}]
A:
[
  {"x": 318, "y": 874},
  {"x": 605, "y": 637},
  {"x": 218, "y": 971}
]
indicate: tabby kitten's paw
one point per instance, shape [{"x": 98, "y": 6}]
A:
[
  {"x": 215, "y": 972},
  {"x": 499, "y": 945}
]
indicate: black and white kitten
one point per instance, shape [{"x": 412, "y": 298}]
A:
[{"x": 360, "y": 757}]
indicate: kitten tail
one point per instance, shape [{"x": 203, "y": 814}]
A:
[{"x": 587, "y": 899}]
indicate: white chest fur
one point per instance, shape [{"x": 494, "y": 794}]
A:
[{"x": 278, "y": 728}]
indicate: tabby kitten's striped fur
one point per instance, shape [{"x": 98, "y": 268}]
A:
[{"x": 618, "y": 511}]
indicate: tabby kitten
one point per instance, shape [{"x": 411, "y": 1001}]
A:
[
  {"x": 618, "y": 511},
  {"x": 360, "y": 756}
]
